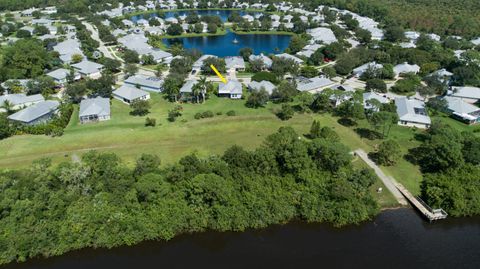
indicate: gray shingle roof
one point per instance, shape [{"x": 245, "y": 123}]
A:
[
  {"x": 466, "y": 92},
  {"x": 129, "y": 93},
  {"x": 256, "y": 86},
  {"x": 234, "y": 62},
  {"x": 456, "y": 104},
  {"x": 313, "y": 84},
  {"x": 411, "y": 110},
  {"x": 406, "y": 68},
  {"x": 232, "y": 87},
  {"x": 59, "y": 74},
  {"x": 187, "y": 87},
  {"x": 95, "y": 106},
  {"x": 35, "y": 111},
  {"x": 145, "y": 81},
  {"x": 20, "y": 98},
  {"x": 267, "y": 61},
  {"x": 87, "y": 67}
]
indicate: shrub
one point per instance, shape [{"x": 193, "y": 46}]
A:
[
  {"x": 231, "y": 113},
  {"x": 264, "y": 75},
  {"x": 174, "y": 113},
  {"x": 207, "y": 114},
  {"x": 150, "y": 122},
  {"x": 286, "y": 112},
  {"x": 219, "y": 113}
]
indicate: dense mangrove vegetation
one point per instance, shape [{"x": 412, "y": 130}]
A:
[{"x": 99, "y": 202}]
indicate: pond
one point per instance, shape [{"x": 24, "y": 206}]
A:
[
  {"x": 224, "y": 45},
  {"x": 223, "y": 14},
  {"x": 394, "y": 239}
]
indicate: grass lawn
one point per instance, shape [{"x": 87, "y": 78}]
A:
[{"x": 126, "y": 136}]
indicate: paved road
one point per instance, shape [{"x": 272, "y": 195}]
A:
[
  {"x": 102, "y": 48},
  {"x": 387, "y": 181}
]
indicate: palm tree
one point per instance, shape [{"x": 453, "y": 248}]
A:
[
  {"x": 203, "y": 86},
  {"x": 8, "y": 106},
  {"x": 197, "y": 90}
]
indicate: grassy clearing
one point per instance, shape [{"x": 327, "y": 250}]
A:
[{"x": 127, "y": 136}]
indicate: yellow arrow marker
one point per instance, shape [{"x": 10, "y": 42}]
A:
[{"x": 218, "y": 74}]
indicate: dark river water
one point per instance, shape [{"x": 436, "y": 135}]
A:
[{"x": 394, "y": 239}]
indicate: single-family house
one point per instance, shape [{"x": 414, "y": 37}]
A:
[
  {"x": 469, "y": 94},
  {"x": 257, "y": 86},
  {"x": 235, "y": 63},
  {"x": 67, "y": 49},
  {"x": 289, "y": 56},
  {"x": 368, "y": 103},
  {"x": 322, "y": 34},
  {"x": 37, "y": 113},
  {"x": 358, "y": 72},
  {"x": 405, "y": 68},
  {"x": 412, "y": 113},
  {"x": 313, "y": 85},
  {"x": 462, "y": 110},
  {"x": 232, "y": 89},
  {"x": 146, "y": 83},
  {"x": 60, "y": 76},
  {"x": 129, "y": 94},
  {"x": 197, "y": 65},
  {"x": 267, "y": 62},
  {"x": 94, "y": 110},
  {"x": 19, "y": 100},
  {"x": 187, "y": 89},
  {"x": 89, "y": 69}
]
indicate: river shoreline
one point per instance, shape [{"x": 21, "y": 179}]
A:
[{"x": 297, "y": 244}]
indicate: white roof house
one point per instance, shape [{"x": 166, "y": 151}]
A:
[
  {"x": 463, "y": 110},
  {"x": 367, "y": 96},
  {"x": 37, "y": 113},
  {"x": 289, "y": 56},
  {"x": 256, "y": 86},
  {"x": 197, "y": 65},
  {"x": 476, "y": 41},
  {"x": 89, "y": 69},
  {"x": 20, "y": 100},
  {"x": 412, "y": 112},
  {"x": 94, "y": 109},
  {"x": 235, "y": 62},
  {"x": 405, "y": 68},
  {"x": 322, "y": 34},
  {"x": 67, "y": 49},
  {"x": 187, "y": 87},
  {"x": 468, "y": 93},
  {"x": 60, "y": 75},
  {"x": 232, "y": 89},
  {"x": 313, "y": 85},
  {"x": 361, "y": 69},
  {"x": 128, "y": 94},
  {"x": 145, "y": 82},
  {"x": 266, "y": 61}
]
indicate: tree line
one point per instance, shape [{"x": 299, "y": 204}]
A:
[{"x": 99, "y": 202}]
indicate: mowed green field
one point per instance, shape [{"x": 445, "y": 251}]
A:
[{"x": 127, "y": 136}]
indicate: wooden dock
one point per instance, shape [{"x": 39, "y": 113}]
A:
[{"x": 421, "y": 206}]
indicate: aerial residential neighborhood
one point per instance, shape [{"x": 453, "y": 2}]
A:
[{"x": 131, "y": 121}]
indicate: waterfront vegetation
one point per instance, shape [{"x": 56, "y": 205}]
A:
[
  {"x": 102, "y": 203},
  {"x": 174, "y": 165}
]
